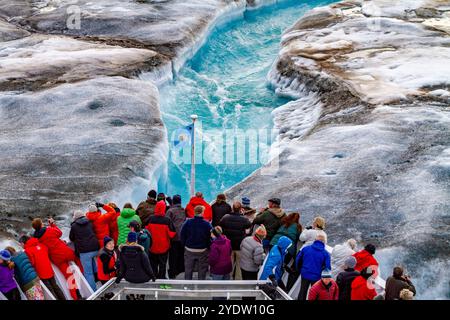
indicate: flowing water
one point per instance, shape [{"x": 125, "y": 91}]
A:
[{"x": 225, "y": 85}]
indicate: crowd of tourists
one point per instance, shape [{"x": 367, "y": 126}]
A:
[{"x": 161, "y": 238}]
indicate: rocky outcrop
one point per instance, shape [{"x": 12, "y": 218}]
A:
[
  {"x": 70, "y": 145},
  {"x": 367, "y": 143}
]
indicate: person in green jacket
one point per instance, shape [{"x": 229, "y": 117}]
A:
[
  {"x": 127, "y": 215},
  {"x": 271, "y": 219},
  {"x": 290, "y": 228}
]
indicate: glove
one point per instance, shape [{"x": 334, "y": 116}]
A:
[
  {"x": 99, "y": 205},
  {"x": 153, "y": 279},
  {"x": 308, "y": 228}
]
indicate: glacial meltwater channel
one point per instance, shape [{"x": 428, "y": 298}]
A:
[{"x": 225, "y": 85}]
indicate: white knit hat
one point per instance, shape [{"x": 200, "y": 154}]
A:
[
  {"x": 78, "y": 214},
  {"x": 92, "y": 208}
]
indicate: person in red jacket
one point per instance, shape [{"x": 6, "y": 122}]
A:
[
  {"x": 365, "y": 258},
  {"x": 38, "y": 255},
  {"x": 362, "y": 286},
  {"x": 101, "y": 221},
  {"x": 58, "y": 251},
  {"x": 199, "y": 201},
  {"x": 106, "y": 261},
  {"x": 162, "y": 230},
  {"x": 324, "y": 289},
  {"x": 113, "y": 227}
]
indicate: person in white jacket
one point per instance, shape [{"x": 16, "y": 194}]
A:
[
  {"x": 309, "y": 235},
  {"x": 339, "y": 254}
]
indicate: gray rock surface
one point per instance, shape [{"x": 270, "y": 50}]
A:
[{"x": 68, "y": 146}]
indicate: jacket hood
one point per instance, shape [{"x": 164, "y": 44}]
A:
[
  {"x": 220, "y": 240},
  {"x": 277, "y": 212},
  {"x": 39, "y": 233},
  {"x": 196, "y": 201},
  {"x": 93, "y": 215},
  {"x": 127, "y": 213},
  {"x": 81, "y": 221},
  {"x": 160, "y": 209},
  {"x": 32, "y": 242},
  {"x": 284, "y": 243},
  {"x": 135, "y": 246},
  {"x": 318, "y": 245}
]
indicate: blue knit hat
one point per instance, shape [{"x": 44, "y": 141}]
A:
[
  {"x": 132, "y": 237},
  {"x": 326, "y": 274},
  {"x": 5, "y": 255},
  {"x": 107, "y": 239},
  {"x": 245, "y": 201}
]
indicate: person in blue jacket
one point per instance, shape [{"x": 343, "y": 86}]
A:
[
  {"x": 26, "y": 275},
  {"x": 275, "y": 260},
  {"x": 310, "y": 262}
]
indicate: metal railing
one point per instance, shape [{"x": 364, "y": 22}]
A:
[{"x": 187, "y": 290}]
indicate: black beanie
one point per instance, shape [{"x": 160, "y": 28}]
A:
[
  {"x": 176, "y": 199},
  {"x": 370, "y": 248},
  {"x": 152, "y": 194}
]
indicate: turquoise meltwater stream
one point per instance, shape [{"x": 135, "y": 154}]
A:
[{"x": 225, "y": 85}]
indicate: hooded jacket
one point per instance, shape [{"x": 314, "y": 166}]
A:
[
  {"x": 83, "y": 236},
  {"x": 361, "y": 290},
  {"x": 101, "y": 222},
  {"x": 275, "y": 260},
  {"x": 58, "y": 251},
  {"x": 364, "y": 259},
  {"x": 126, "y": 216},
  {"x": 196, "y": 201},
  {"x": 319, "y": 291},
  {"x": 252, "y": 254},
  {"x": 292, "y": 233},
  {"x": 219, "y": 210},
  {"x": 177, "y": 215},
  {"x": 161, "y": 228},
  {"x": 145, "y": 210},
  {"x": 271, "y": 219},
  {"x": 234, "y": 226},
  {"x": 312, "y": 260},
  {"x": 339, "y": 254},
  {"x": 24, "y": 271},
  {"x": 38, "y": 255},
  {"x": 134, "y": 264},
  {"x": 220, "y": 256},
  {"x": 344, "y": 281},
  {"x": 7, "y": 282}
]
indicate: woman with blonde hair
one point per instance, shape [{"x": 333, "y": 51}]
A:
[{"x": 308, "y": 236}]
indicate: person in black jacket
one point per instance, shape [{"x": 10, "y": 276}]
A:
[
  {"x": 86, "y": 245},
  {"x": 220, "y": 208},
  {"x": 345, "y": 278},
  {"x": 134, "y": 264},
  {"x": 234, "y": 226}
]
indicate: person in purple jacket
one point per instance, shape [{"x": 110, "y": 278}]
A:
[
  {"x": 7, "y": 284},
  {"x": 220, "y": 255}
]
